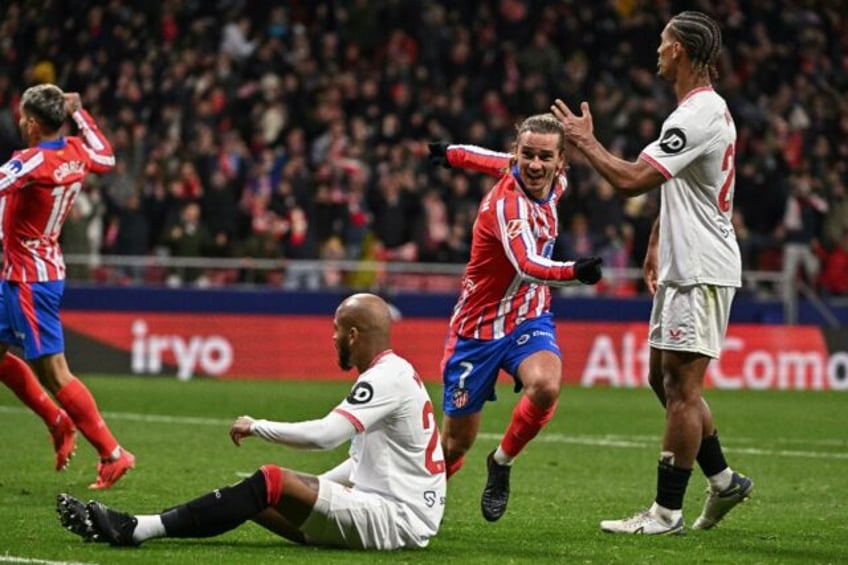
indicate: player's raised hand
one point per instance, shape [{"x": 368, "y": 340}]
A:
[
  {"x": 240, "y": 429},
  {"x": 438, "y": 154},
  {"x": 72, "y": 102},
  {"x": 579, "y": 130}
]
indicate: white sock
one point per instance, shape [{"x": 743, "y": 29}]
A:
[
  {"x": 667, "y": 515},
  {"x": 148, "y": 527},
  {"x": 722, "y": 480},
  {"x": 501, "y": 458}
]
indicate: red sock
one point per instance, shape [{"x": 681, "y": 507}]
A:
[
  {"x": 18, "y": 376},
  {"x": 273, "y": 483},
  {"x": 455, "y": 465},
  {"x": 81, "y": 407},
  {"x": 527, "y": 420}
]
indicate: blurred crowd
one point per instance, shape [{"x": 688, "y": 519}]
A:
[{"x": 298, "y": 129}]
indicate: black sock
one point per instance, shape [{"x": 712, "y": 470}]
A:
[
  {"x": 219, "y": 511},
  {"x": 671, "y": 485},
  {"x": 710, "y": 456}
]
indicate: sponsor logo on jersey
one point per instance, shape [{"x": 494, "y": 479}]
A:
[
  {"x": 514, "y": 227},
  {"x": 673, "y": 141},
  {"x": 360, "y": 394},
  {"x": 675, "y": 334},
  {"x": 13, "y": 167}
]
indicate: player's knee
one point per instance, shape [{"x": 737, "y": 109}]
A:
[
  {"x": 544, "y": 392},
  {"x": 456, "y": 447}
]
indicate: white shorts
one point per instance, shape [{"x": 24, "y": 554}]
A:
[
  {"x": 350, "y": 518},
  {"x": 691, "y": 318}
]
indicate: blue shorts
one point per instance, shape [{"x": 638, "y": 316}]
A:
[
  {"x": 471, "y": 366},
  {"x": 29, "y": 317}
]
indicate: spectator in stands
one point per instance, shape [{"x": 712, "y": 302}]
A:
[
  {"x": 189, "y": 237},
  {"x": 132, "y": 235},
  {"x": 257, "y": 91},
  {"x": 802, "y": 217},
  {"x": 834, "y": 278}
]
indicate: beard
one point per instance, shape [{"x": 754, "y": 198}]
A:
[{"x": 344, "y": 357}]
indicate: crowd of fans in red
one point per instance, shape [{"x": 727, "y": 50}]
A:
[{"x": 254, "y": 129}]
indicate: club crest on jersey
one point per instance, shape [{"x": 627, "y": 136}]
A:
[
  {"x": 514, "y": 227},
  {"x": 673, "y": 141},
  {"x": 360, "y": 394},
  {"x": 460, "y": 397},
  {"x": 68, "y": 168}
]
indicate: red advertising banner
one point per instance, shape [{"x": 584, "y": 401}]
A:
[{"x": 281, "y": 347}]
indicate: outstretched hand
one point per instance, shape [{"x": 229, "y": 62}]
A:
[
  {"x": 240, "y": 429},
  {"x": 438, "y": 154},
  {"x": 579, "y": 130},
  {"x": 588, "y": 269}
]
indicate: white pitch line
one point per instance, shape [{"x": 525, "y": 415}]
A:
[
  {"x": 619, "y": 441},
  {"x": 601, "y": 441},
  {"x": 15, "y": 559}
]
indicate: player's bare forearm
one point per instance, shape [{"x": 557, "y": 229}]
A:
[
  {"x": 650, "y": 268},
  {"x": 628, "y": 178},
  {"x": 654, "y": 239}
]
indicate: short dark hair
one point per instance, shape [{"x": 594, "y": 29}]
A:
[
  {"x": 701, "y": 37},
  {"x": 45, "y": 103}
]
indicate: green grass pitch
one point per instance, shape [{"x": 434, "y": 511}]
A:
[{"x": 595, "y": 460}]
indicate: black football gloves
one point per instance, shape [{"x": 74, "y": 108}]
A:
[
  {"x": 439, "y": 154},
  {"x": 588, "y": 269}
]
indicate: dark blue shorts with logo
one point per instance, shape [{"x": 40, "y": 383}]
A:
[{"x": 471, "y": 370}]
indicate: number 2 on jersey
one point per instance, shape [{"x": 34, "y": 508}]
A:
[
  {"x": 725, "y": 198},
  {"x": 429, "y": 419}
]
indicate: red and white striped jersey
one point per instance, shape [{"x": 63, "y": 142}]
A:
[
  {"x": 37, "y": 187},
  {"x": 508, "y": 277}
]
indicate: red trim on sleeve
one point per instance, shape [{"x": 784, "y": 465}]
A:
[
  {"x": 656, "y": 164},
  {"x": 351, "y": 418}
]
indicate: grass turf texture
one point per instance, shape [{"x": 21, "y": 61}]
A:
[{"x": 595, "y": 460}]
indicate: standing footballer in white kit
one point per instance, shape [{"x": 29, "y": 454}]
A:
[{"x": 692, "y": 267}]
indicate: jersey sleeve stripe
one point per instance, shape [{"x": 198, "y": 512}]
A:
[
  {"x": 351, "y": 418},
  {"x": 91, "y": 137},
  {"x": 478, "y": 159},
  {"x": 656, "y": 164},
  {"x": 27, "y": 167},
  {"x": 521, "y": 250},
  {"x": 105, "y": 160}
]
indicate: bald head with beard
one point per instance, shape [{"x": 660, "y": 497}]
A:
[{"x": 361, "y": 330}]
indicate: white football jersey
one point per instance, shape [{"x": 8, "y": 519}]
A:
[
  {"x": 397, "y": 451},
  {"x": 695, "y": 153}
]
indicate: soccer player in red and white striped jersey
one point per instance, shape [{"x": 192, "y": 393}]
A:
[
  {"x": 38, "y": 186},
  {"x": 502, "y": 320}
]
